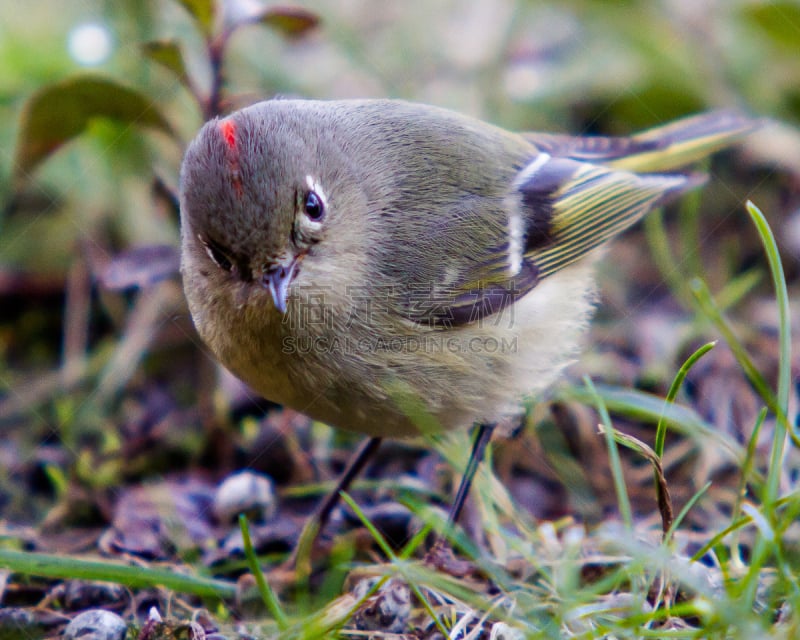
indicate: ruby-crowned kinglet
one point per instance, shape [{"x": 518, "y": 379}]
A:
[{"x": 390, "y": 268}]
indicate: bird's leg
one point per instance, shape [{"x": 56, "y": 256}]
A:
[
  {"x": 482, "y": 438},
  {"x": 354, "y": 467},
  {"x": 317, "y": 521}
]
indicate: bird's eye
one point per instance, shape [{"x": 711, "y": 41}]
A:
[
  {"x": 218, "y": 255},
  {"x": 314, "y": 207}
]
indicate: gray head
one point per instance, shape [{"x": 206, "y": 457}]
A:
[{"x": 256, "y": 196}]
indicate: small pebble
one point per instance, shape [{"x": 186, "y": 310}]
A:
[
  {"x": 96, "y": 624},
  {"x": 246, "y": 492}
]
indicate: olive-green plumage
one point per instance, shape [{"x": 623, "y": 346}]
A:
[{"x": 385, "y": 266}]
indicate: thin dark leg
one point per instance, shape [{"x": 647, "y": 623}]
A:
[
  {"x": 300, "y": 558},
  {"x": 482, "y": 439},
  {"x": 355, "y": 466}
]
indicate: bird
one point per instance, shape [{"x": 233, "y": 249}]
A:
[{"x": 395, "y": 268}]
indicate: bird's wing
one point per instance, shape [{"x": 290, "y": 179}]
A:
[
  {"x": 571, "y": 207},
  {"x": 559, "y": 210},
  {"x": 574, "y": 195}
]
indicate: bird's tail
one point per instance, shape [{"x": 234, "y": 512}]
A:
[
  {"x": 658, "y": 150},
  {"x": 685, "y": 141}
]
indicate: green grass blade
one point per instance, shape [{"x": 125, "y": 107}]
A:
[
  {"x": 395, "y": 562},
  {"x": 661, "y": 255},
  {"x": 712, "y": 311},
  {"x": 661, "y": 429},
  {"x": 686, "y": 508},
  {"x": 613, "y": 455},
  {"x": 55, "y": 566},
  {"x": 647, "y": 407},
  {"x": 782, "y": 299},
  {"x": 746, "y": 470},
  {"x": 267, "y": 594},
  {"x": 733, "y": 292},
  {"x": 689, "y": 228},
  {"x": 765, "y": 519}
]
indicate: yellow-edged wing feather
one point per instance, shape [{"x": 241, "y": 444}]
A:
[{"x": 595, "y": 205}]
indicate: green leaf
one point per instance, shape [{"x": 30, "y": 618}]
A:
[
  {"x": 168, "y": 54},
  {"x": 290, "y": 21},
  {"x": 61, "y": 111},
  {"x": 203, "y": 13}
]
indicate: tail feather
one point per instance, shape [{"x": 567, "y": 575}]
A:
[
  {"x": 661, "y": 149},
  {"x": 688, "y": 140}
]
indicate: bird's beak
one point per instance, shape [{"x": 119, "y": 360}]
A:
[{"x": 277, "y": 279}]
